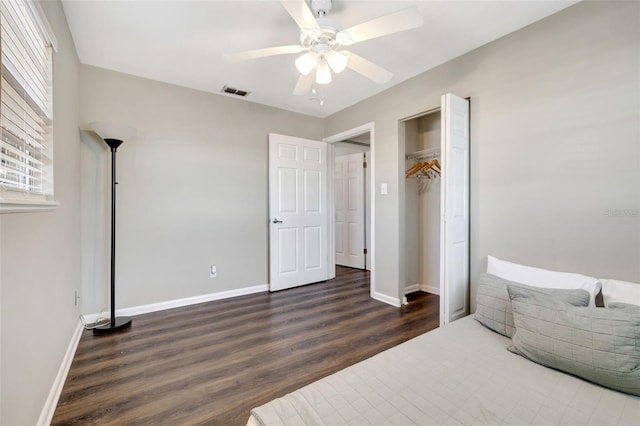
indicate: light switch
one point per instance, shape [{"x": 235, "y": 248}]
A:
[{"x": 383, "y": 188}]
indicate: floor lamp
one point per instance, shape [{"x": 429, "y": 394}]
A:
[{"x": 106, "y": 132}]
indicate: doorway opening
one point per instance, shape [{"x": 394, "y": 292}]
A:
[
  {"x": 435, "y": 206},
  {"x": 355, "y": 142},
  {"x": 352, "y": 184},
  {"x": 423, "y": 168}
]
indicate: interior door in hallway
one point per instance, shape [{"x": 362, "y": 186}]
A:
[
  {"x": 298, "y": 218},
  {"x": 350, "y": 212}
]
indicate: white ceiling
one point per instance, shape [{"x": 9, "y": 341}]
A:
[{"x": 182, "y": 42}]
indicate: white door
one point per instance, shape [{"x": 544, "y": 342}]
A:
[
  {"x": 297, "y": 211},
  {"x": 454, "y": 229},
  {"x": 349, "y": 205}
]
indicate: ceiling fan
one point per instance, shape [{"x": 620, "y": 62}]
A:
[{"x": 322, "y": 40}]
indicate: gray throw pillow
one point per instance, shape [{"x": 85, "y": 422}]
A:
[
  {"x": 600, "y": 345},
  {"x": 493, "y": 307}
]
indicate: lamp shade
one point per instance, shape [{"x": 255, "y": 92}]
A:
[
  {"x": 337, "y": 61},
  {"x": 323, "y": 73},
  {"x": 306, "y": 63},
  {"x": 112, "y": 131}
]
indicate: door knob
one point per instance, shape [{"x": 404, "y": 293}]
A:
[{"x": 276, "y": 221}]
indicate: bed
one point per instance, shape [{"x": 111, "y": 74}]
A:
[
  {"x": 537, "y": 351},
  {"x": 459, "y": 374}
]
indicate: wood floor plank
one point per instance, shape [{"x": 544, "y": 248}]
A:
[{"x": 211, "y": 363}]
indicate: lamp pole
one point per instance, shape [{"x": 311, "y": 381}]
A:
[{"x": 116, "y": 323}]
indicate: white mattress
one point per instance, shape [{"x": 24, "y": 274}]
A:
[{"x": 460, "y": 374}]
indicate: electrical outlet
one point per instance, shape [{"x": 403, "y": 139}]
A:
[
  {"x": 213, "y": 272},
  {"x": 76, "y": 298}
]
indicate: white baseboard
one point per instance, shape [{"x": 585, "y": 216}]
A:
[
  {"x": 422, "y": 287},
  {"x": 177, "y": 303},
  {"x": 411, "y": 288},
  {"x": 386, "y": 299},
  {"x": 430, "y": 289},
  {"x": 54, "y": 394},
  {"x": 46, "y": 415}
]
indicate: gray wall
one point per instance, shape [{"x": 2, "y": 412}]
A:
[
  {"x": 555, "y": 181},
  {"x": 40, "y": 263},
  {"x": 192, "y": 189},
  {"x": 555, "y": 155}
]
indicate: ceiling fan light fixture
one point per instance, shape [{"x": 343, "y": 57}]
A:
[
  {"x": 323, "y": 72},
  {"x": 337, "y": 61},
  {"x": 306, "y": 63},
  {"x": 343, "y": 38}
]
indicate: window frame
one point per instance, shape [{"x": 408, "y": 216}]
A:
[{"x": 14, "y": 200}]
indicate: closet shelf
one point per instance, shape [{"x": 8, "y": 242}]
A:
[{"x": 424, "y": 154}]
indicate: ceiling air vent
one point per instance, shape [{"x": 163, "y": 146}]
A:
[{"x": 232, "y": 91}]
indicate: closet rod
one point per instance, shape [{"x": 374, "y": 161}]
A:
[{"x": 425, "y": 153}]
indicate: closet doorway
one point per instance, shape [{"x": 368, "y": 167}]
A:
[
  {"x": 436, "y": 257},
  {"x": 423, "y": 179}
]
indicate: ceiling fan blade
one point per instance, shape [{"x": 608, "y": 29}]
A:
[
  {"x": 388, "y": 24},
  {"x": 303, "y": 86},
  {"x": 261, "y": 53},
  {"x": 300, "y": 13},
  {"x": 368, "y": 69}
]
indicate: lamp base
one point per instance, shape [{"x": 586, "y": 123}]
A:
[{"x": 119, "y": 324}]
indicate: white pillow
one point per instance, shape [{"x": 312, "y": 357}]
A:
[
  {"x": 537, "y": 277},
  {"x": 614, "y": 291}
]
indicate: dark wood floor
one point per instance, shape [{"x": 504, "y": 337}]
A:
[{"x": 211, "y": 363}]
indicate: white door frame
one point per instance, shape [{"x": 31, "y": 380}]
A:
[{"x": 368, "y": 127}]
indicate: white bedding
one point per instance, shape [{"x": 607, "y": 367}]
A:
[{"x": 460, "y": 374}]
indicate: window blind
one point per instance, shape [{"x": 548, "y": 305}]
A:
[{"x": 26, "y": 116}]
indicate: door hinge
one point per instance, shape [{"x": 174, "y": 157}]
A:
[
  {"x": 364, "y": 165},
  {"x": 365, "y": 251}
]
